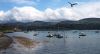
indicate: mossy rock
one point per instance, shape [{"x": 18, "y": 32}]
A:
[
  {"x": 5, "y": 42},
  {"x": 1, "y": 34}
]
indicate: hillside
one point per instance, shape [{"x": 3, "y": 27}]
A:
[{"x": 87, "y": 23}]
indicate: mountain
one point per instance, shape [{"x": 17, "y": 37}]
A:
[
  {"x": 90, "y": 20},
  {"x": 42, "y": 23},
  {"x": 87, "y": 23}
]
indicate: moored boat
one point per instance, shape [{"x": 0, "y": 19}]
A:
[{"x": 82, "y": 34}]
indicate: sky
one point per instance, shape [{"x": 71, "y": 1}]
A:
[{"x": 47, "y": 10}]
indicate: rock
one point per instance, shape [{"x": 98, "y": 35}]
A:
[
  {"x": 5, "y": 42},
  {"x": 1, "y": 34}
]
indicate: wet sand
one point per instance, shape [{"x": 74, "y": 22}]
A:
[{"x": 26, "y": 42}]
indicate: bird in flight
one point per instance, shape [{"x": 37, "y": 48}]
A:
[{"x": 72, "y": 4}]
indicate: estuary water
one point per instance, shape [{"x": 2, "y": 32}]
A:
[{"x": 71, "y": 43}]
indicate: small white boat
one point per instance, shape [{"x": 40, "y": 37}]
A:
[{"x": 50, "y": 35}]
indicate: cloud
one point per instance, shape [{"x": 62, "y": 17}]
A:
[
  {"x": 2, "y": 15},
  {"x": 28, "y": 13}
]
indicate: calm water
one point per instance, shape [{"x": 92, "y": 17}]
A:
[{"x": 70, "y": 44}]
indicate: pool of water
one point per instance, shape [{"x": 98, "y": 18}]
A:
[{"x": 70, "y": 44}]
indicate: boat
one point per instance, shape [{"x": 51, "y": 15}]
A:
[
  {"x": 74, "y": 31},
  {"x": 50, "y": 35},
  {"x": 35, "y": 34},
  {"x": 96, "y": 31},
  {"x": 25, "y": 31},
  {"x": 58, "y": 36},
  {"x": 82, "y": 34}
]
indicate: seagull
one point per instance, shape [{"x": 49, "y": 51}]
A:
[{"x": 72, "y": 4}]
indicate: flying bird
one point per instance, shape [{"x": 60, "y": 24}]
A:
[{"x": 72, "y": 4}]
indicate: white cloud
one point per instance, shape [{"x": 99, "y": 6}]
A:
[
  {"x": 2, "y": 15},
  {"x": 24, "y": 14}
]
